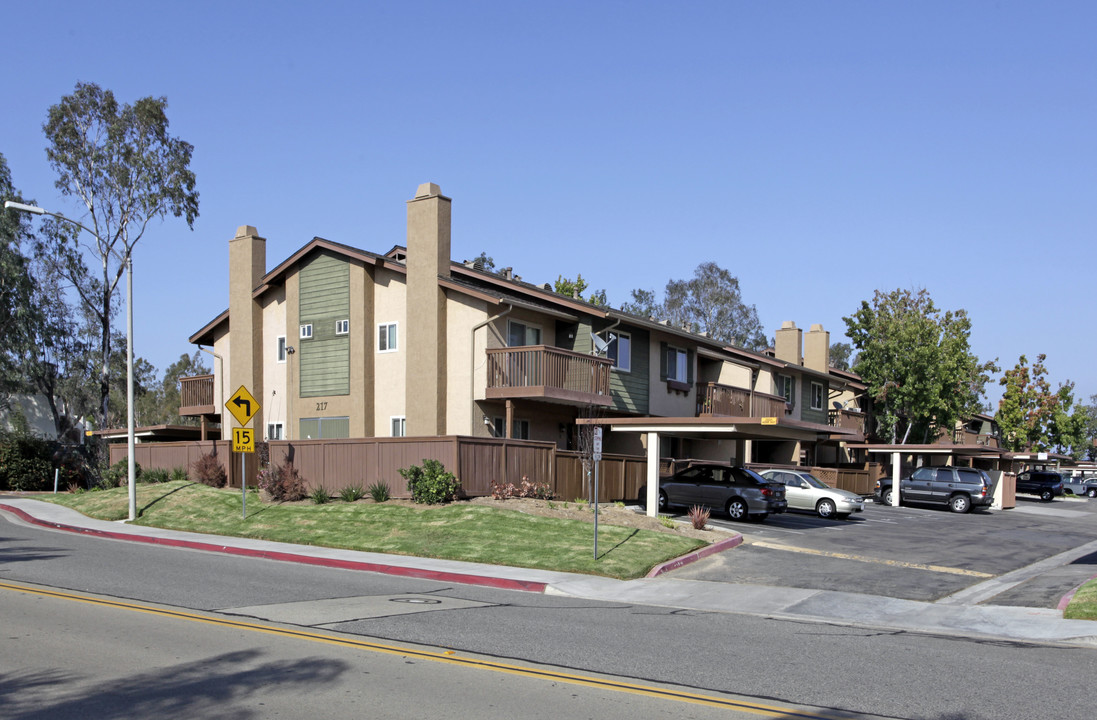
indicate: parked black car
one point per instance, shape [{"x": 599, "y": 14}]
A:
[
  {"x": 961, "y": 488},
  {"x": 741, "y": 493},
  {"x": 1048, "y": 485}
]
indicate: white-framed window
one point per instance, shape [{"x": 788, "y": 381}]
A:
[
  {"x": 281, "y": 349},
  {"x": 387, "y": 337},
  {"x": 306, "y": 331},
  {"x": 399, "y": 425},
  {"x": 520, "y": 334},
  {"x": 816, "y": 396},
  {"x": 677, "y": 364},
  {"x": 275, "y": 431},
  {"x": 521, "y": 428},
  {"x": 342, "y": 327},
  {"x": 620, "y": 352}
]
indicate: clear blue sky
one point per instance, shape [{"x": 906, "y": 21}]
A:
[{"x": 817, "y": 150}]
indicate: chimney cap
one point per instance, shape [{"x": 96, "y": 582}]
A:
[
  {"x": 246, "y": 231},
  {"x": 428, "y": 190}
]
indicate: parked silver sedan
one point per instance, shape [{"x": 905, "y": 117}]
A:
[{"x": 804, "y": 491}]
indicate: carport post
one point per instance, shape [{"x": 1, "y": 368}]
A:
[
  {"x": 653, "y": 474},
  {"x": 895, "y": 479}
]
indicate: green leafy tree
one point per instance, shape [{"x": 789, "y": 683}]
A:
[
  {"x": 917, "y": 364},
  {"x": 1090, "y": 428},
  {"x": 126, "y": 170},
  {"x": 1033, "y": 417},
  {"x": 840, "y": 354},
  {"x": 485, "y": 261},
  {"x": 160, "y": 403},
  {"x": 41, "y": 350},
  {"x": 575, "y": 288},
  {"x": 709, "y": 302}
]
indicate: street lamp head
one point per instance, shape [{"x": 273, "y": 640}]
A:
[{"x": 11, "y": 204}]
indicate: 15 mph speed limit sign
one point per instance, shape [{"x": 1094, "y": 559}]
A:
[{"x": 243, "y": 440}]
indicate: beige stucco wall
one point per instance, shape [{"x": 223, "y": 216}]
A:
[
  {"x": 734, "y": 375},
  {"x": 221, "y": 378},
  {"x": 390, "y": 368},
  {"x": 275, "y": 400},
  {"x": 467, "y": 368},
  {"x": 663, "y": 402}
]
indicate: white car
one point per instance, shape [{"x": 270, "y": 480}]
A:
[{"x": 804, "y": 491}]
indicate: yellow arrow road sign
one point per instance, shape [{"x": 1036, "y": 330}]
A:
[{"x": 242, "y": 406}]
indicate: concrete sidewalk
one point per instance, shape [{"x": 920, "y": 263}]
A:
[{"x": 952, "y": 618}]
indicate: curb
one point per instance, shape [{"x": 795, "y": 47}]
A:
[
  {"x": 1065, "y": 600},
  {"x": 696, "y": 555},
  {"x": 441, "y": 575}
]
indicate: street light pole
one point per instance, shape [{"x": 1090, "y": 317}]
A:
[{"x": 128, "y": 261}]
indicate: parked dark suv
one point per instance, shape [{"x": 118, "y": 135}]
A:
[
  {"x": 1048, "y": 485},
  {"x": 961, "y": 488},
  {"x": 739, "y": 492}
]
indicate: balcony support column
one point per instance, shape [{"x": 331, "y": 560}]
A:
[{"x": 510, "y": 419}]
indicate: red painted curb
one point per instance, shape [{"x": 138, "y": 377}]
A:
[
  {"x": 442, "y": 576},
  {"x": 696, "y": 555},
  {"x": 1065, "y": 600}
]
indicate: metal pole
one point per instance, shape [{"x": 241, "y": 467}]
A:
[
  {"x": 243, "y": 486},
  {"x": 596, "y": 464},
  {"x": 130, "y": 441}
]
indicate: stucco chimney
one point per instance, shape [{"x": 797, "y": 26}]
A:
[
  {"x": 789, "y": 343},
  {"x": 428, "y": 259},
  {"x": 817, "y": 349},
  {"x": 247, "y": 266}
]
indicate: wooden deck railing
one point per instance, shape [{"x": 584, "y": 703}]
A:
[
  {"x": 196, "y": 395},
  {"x": 847, "y": 419},
  {"x": 715, "y": 399},
  {"x": 542, "y": 371}
]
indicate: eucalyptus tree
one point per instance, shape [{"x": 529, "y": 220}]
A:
[{"x": 125, "y": 170}]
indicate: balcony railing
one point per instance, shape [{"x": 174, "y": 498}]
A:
[
  {"x": 847, "y": 419},
  {"x": 967, "y": 437},
  {"x": 539, "y": 371},
  {"x": 196, "y": 396},
  {"x": 714, "y": 399}
]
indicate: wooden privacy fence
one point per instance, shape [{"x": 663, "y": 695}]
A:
[{"x": 477, "y": 463}]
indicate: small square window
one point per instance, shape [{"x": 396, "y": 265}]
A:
[
  {"x": 306, "y": 331},
  {"x": 620, "y": 352},
  {"x": 816, "y": 396},
  {"x": 399, "y": 426},
  {"x": 342, "y": 327},
  {"x": 281, "y": 348},
  {"x": 387, "y": 337}
]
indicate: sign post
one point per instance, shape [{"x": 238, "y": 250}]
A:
[
  {"x": 243, "y": 407},
  {"x": 597, "y": 458}
]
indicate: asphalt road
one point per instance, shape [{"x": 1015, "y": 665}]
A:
[
  {"x": 915, "y": 553},
  {"x": 849, "y": 671}
]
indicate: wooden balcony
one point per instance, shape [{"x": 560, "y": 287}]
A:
[
  {"x": 847, "y": 419},
  {"x": 716, "y": 400},
  {"x": 196, "y": 396},
  {"x": 549, "y": 373},
  {"x": 966, "y": 437}
]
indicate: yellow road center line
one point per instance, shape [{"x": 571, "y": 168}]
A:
[
  {"x": 447, "y": 656},
  {"x": 878, "y": 561}
]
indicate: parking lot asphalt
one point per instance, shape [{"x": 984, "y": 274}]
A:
[{"x": 1028, "y": 556}]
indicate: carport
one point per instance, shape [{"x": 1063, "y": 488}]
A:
[
  {"x": 952, "y": 451},
  {"x": 728, "y": 428}
]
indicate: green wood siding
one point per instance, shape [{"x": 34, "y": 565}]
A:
[
  {"x": 630, "y": 390},
  {"x": 806, "y": 413},
  {"x": 324, "y": 300}
]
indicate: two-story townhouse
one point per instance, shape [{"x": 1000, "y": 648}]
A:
[{"x": 339, "y": 342}]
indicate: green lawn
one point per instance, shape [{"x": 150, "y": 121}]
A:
[
  {"x": 457, "y": 531},
  {"x": 1083, "y": 606}
]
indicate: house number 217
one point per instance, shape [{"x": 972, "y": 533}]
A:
[{"x": 322, "y": 405}]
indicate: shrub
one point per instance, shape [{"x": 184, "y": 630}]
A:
[
  {"x": 353, "y": 493},
  {"x": 179, "y": 474},
  {"x": 431, "y": 483},
  {"x": 379, "y": 491},
  {"x": 282, "y": 482},
  {"x": 209, "y": 472},
  {"x": 155, "y": 475},
  {"x": 25, "y": 462},
  {"x": 666, "y": 521},
  {"x": 118, "y": 474},
  {"x": 698, "y": 517},
  {"x": 320, "y": 496}
]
